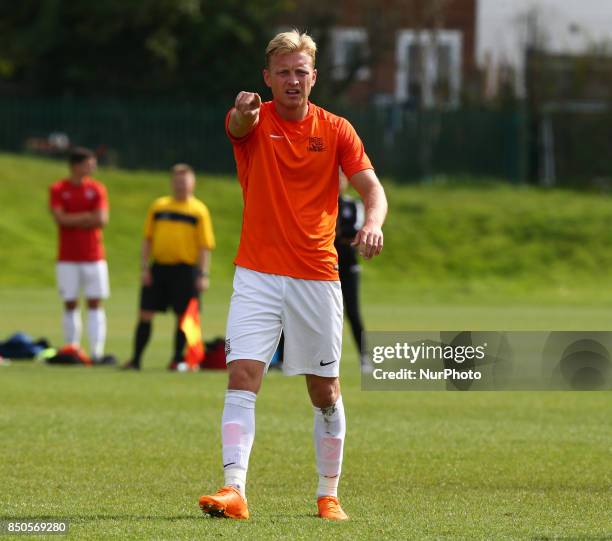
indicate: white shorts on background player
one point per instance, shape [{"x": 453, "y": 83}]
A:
[
  {"x": 309, "y": 311},
  {"x": 91, "y": 277}
]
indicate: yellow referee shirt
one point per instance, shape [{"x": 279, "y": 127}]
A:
[{"x": 178, "y": 230}]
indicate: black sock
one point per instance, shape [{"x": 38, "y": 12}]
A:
[
  {"x": 179, "y": 345},
  {"x": 141, "y": 339}
]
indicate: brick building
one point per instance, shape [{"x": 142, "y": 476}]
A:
[{"x": 414, "y": 52}]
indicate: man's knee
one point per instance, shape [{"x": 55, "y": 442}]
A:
[
  {"x": 70, "y": 305},
  {"x": 146, "y": 315},
  {"x": 324, "y": 392},
  {"x": 245, "y": 375},
  {"x": 94, "y": 304}
]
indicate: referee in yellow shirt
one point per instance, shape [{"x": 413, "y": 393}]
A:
[{"x": 176, "y": 251}]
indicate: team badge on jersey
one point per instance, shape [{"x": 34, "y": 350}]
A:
[{"x": 316, "y": 144}]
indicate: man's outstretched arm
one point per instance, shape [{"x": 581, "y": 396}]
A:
[
  {"x": 369, "y": 238},
  {"x": 245, "y": 114}
]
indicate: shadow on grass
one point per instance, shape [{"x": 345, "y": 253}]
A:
[{"x": 169, "y": 518}]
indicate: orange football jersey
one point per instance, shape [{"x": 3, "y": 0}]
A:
[{"x": 289, "y": 177}]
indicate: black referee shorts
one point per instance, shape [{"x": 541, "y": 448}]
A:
[{"x": 173, "y": 286}]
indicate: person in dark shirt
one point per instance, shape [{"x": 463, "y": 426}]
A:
[{"x": 350, "y": 220}]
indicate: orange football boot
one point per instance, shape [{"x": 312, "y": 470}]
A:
[
  {"x": 329, "y": 508},
  {"x": 227, "y": 502}
]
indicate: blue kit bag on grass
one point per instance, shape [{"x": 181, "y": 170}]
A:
[{"x": 22, "y": 346}]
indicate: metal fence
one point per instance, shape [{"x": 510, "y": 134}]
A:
[
  {"x": 413, "y": 145},
  {"x": 127, "y": 134},
  {"x": 405, "y": 144},
  {"x": 574, "y": 146}
]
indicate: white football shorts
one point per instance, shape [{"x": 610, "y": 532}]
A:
[
  {"x": 91, "y": 277},
  {"x": 308, "y": 311}
]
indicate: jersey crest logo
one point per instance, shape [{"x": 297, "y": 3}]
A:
[{"x": 316, "y": 144}]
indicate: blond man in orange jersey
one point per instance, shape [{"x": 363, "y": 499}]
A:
[{"x": 287, "y": 153}]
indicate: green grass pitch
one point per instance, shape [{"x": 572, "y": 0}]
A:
[{"x": 126, "y": 456}]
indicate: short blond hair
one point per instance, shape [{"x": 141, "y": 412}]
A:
[
  {"x": 293, "y": 41},
  {"x": 182, "y": 168}
]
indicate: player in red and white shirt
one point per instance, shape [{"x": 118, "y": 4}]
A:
[{"x": 79, "y": 205}]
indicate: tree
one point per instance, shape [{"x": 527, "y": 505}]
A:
[{"x": 180, "y": 48}]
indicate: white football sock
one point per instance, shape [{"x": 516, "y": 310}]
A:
[
  {"x": 237, "y": 434},
  {"x": 96, "y": 326},
  {"x": 329, "y": 432},
  {"x": 71, "y": 322}
]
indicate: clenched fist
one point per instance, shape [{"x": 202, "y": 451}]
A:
[
  {"x": 245, "y": 115},
  {"x": 248, "y": 104}
]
